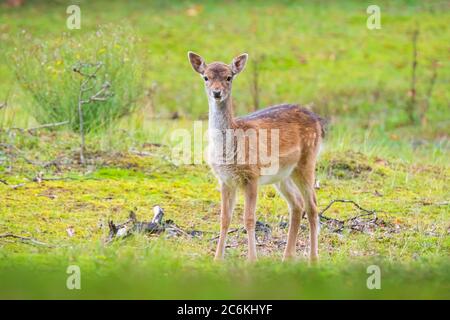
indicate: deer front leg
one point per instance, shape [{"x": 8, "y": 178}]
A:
[
  {"x": 227, "y": 205},
  {"x": 251, "y": 193}
]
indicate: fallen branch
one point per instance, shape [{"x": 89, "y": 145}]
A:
[
  {"x": 27, "y": 240},
  {"x": 355, "y": 222},
  {"x": 17, "y": 186},
  {"x": 442, "y": 203},
  {"x": 155, "y": 226},
  {"x": 369, "y": 212},
  {"x": 40, "y": 177},
  {"x": 44, "y": 126},
  {"x": 48, "y": 125},
  {"x": 158, "y": 226},
  {"x": 229, "y": 232}
]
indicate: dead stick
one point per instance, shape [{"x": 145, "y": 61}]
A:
[
  {"x": 44, "y": 126},
  {"x": 229, "y": 232},
  {"x": 17, "y": 186},
  {"x": 25, "y": 239},
  {"x": 344, "y": 201},
  {"x": 341, "y": 223},
  {"x": 49, "y": 125},
  {"x": 412, "y": 103}
]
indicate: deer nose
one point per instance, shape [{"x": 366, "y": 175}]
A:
[{"x": 217, "y": 94}]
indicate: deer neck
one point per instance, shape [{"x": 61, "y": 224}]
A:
[{"x": 220, "y": 114}]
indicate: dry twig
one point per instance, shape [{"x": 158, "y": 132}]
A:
[
  {"x": 368, "y": 212},
  {"x": 229, "y": 232},
  {"x": 412, "y": 91},
  {"x": 355, "y": 222},
  {"x": 44, "y": 126},
  {"x": 27, "y": 240}
]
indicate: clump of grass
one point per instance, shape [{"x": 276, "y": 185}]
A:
[
  {"x": 141, "y": 268},
  {"x": 44, "y": 70}
]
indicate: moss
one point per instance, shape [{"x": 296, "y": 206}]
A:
[{"x": 402, "y": 194}]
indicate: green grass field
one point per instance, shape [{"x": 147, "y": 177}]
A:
[{"x": 319, "y": 52}]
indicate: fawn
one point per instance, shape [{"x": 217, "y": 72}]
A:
[{"x": 300, "y": 133}]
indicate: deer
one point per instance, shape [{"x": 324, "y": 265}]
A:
[{"x": 298, "y": 141}]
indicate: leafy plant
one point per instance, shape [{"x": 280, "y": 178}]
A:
[{"x": 44, "y": 70}]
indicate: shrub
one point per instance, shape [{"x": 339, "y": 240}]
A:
[{"x": 44, "y": 69}]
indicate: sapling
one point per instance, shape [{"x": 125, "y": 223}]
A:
[{"x": 88, "y": 85}]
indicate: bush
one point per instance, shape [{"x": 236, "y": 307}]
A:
[{"x": 44, "y": 69}]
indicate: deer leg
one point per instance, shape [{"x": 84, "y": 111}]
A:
[
  {"x": 227, "y": 205},
  {"x": 251, "y": 193},
  {"x": 304, "y": 179},
  {"x": 291, "y": 194}
]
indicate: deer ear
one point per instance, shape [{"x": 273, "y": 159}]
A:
[
  {"x": 197, "y": 62},
  {"x": 238, "y": 63}
]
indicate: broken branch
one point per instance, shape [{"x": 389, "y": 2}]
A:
[
  {"x": 27, "y": 240},
  {"x": 44, "y": 126},
  {"x": 355, "y": 223},
  {"x": 229, "y": 232},
  {"x": 344, "y": 201}
]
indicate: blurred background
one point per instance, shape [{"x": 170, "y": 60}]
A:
[
  {"x": 321, "y": 53},
  {"x": 384, "y": 91}
]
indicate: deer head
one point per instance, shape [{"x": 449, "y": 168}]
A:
[{"x": 217, "y": 76}]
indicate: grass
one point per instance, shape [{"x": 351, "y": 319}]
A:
[
  {"x": 321, "y": 52},
  {"x": 141, "y": 270},
  {"x": 56, "y": 94},
  {"x": 357, "y": 71},
  {"x": 407, "y": 193}
]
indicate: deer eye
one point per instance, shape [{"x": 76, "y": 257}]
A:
[
  {"x": 206, "y": 78},
  {"x": 229, "y": 79}
]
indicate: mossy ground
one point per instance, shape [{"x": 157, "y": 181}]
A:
[
  {"x": 306, "y": 51},
  {"x": 410, "y": 196}
]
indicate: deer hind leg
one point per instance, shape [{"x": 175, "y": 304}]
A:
[
  {"x": 250, "y": 195},
  {"x": 227, "y": 205},
  {"x": 289, "y": 191},
  {"x": 304, "y": 178}
]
